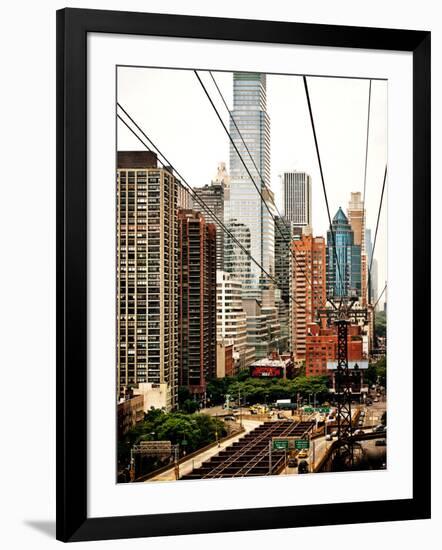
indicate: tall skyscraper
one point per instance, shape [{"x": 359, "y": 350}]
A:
[
  {"x": 356, "y": 218},
  {"x": 283, "y": 257},
  {"x": 213, "y": 196},
  {"x": 147, "y": 238},
  {"x": 244, "y": 205},
  {"x": 309, "y": 287},
  {"x": 232, "y": 319},
  {"x": 197, "y": 301},
  {"x": 297, "y": 194},
  {"x": 285, "y": 232},
  {"x": 344, "y": 260}
]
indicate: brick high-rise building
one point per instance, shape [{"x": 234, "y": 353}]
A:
[
  {"x": 197, "y": 301},
  {"x": 322, "y": 347},
  {"x": 212, "y": 196},
  {"x": 309, "y": 287},
  {"x": 147, "y": 238}
]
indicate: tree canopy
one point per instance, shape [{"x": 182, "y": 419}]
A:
[
  {"x": 258, "y": 390},
  {"x": 377, "y": 372},
  {"x": 380, "y": 324},
  {"x": 191, "y": 431}
]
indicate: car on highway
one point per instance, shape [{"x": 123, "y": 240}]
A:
[
  {"x": 292, "y": 463},
  {"x": 362, "y": 413},
  {"x": 376, "y": 400},
  {"x": 359, "y": 432},
  {"x": 380, "y": 443},
  {"x": 334, "y": 433},
  {"x": 303, "y": 453},
  {"x": 328, "y": 437},
  {"x": 303, "y": 467},
  {"x": 229, "y": 418}
]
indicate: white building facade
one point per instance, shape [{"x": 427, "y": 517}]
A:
[
  {"x": 231, "y": 319},
  {"x": 297, "y": 196}
]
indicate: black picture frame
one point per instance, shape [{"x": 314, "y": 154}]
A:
[{"x": 73, "y": 25}]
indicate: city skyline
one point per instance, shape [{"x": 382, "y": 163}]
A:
[
  {"x": 275, "y": 309},
  {"x": 340, "y": 109}
]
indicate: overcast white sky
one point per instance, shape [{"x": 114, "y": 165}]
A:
[{"x": 171, "y": 107}]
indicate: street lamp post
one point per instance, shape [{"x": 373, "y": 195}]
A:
[
  {"x": 132, "y": 465},
  {"x": 240, "y": 410},
  {"x": 176, "y": 463}
]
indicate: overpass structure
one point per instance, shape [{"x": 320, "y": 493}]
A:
[
  {"x": 251, "y": 455},
  {"x": 326, "y": 462}
]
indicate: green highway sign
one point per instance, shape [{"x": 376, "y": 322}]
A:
[
  {"x": 302, "y": 444},
  {"x": 316, "y": 409},
  {"x": 280, "y": 444}
]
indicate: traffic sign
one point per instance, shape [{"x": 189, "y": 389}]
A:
[
  {"x": 316, "y": 409},
  {"x": 302, "y": 444},
  {"x": 153, "y": 448},
  {"x": 281, "y": 443}
]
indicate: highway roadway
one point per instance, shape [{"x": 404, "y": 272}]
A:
[{"x": 187, "y": 466}]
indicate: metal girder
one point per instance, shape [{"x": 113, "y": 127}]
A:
[
  {"x": 342, "y": 317},
  {"x": 343, "y": 391}
]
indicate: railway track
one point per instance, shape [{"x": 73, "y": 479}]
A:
[{"x": 250, "y": 455}]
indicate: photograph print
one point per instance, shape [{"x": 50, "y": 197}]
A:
[{"x": 251, "y": 274}]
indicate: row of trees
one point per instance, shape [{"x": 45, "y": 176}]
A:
[
  {"x": 190, "y": 431},
  {"x": 267, "y": 390},
  {"x": 380, "y": 324},
  {"x": 377, "y": 373}
]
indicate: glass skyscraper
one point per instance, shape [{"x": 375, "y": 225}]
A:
[
  {"x": 244, "y": 204},
  {"x": 236, "y": 258},
  {"x": 344, "y": 266}
]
